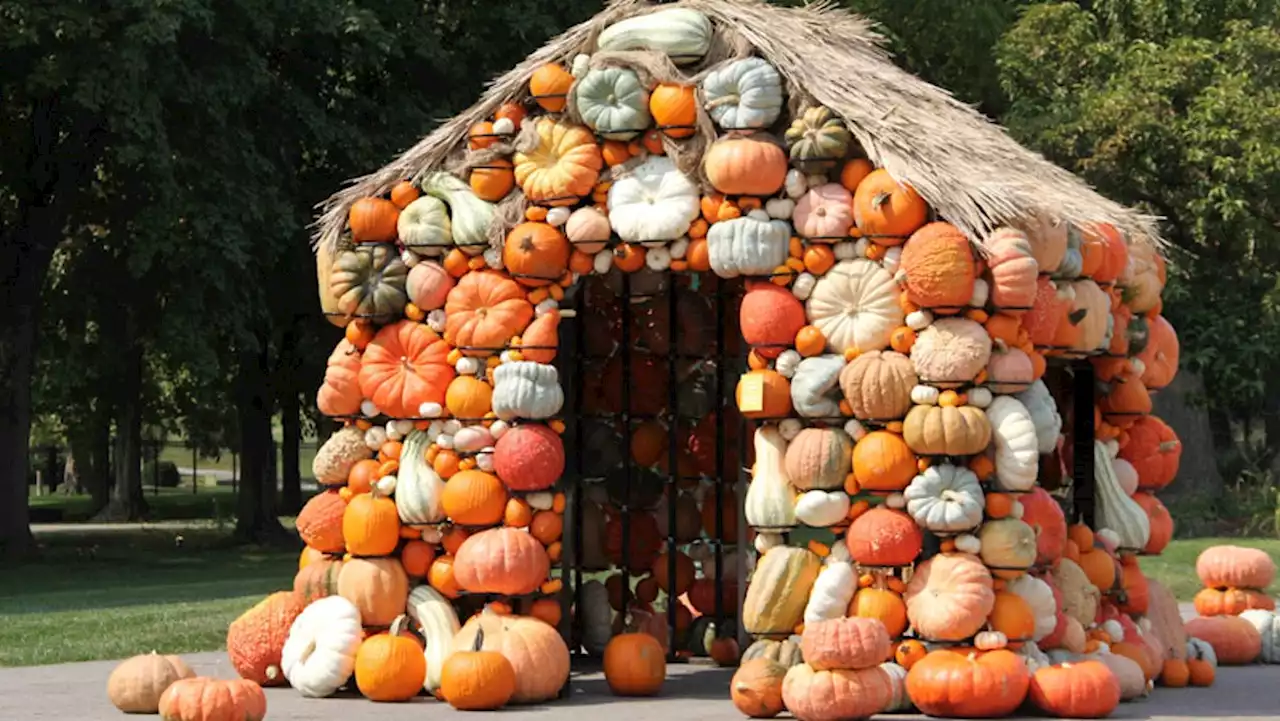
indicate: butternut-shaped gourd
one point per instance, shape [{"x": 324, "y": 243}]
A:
[
  {"x": 683, "y": 35},
  {"x": 779, "y": 591},
  {"x": 770, "y": 501},
  {"x": 435, "y": 617},
  {"x": 1116, "y": 510},
  {"x": 419, "y": 489}
]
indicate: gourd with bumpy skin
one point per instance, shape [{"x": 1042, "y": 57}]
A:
[
  {"x": 835, "y": 695},
  {"x": 855, "y": 305},
  {"x": 525, "y": 389},
  {"x": 1017, "y": 451},
  {"x": 744, "y": 94},
  {"x": 813, "y": 385},
  {"x": 770, "y": 501},
  {"x": 819, "y": 458},
  {"x": 419, "y": 489},
  {"x": 438, "y": 622},
  {"x": 613, "y": 102},
  {"x": 654, "y": 201},
  {"x": 951, "y": 352},
  {"x": 1044, "y": 415},
  {"x": 818, "y": 135},
  {"x": 779, "y": 590},
  {"x": 334, "y": 460},
  {"x": 878, "y": 385},
  {"x": 424, "y": 226},
  {"x": 845, "y": 643},
  {"x": 370, "y": 283},
  {"x": 946, "y": 430},
  {"x": 832, "y": 592},
  {"x": 320, "y": 653},
  {"x": 469, "y": 215},
  {"x": 1080, "y": 598},
  {"x": 683, "y": 35},
  {"x": 945, "y": 499},
  {"x": 750, "y": 245},
  {"x": 937, "y": 267},
  {"x": 1116, "y": 510},
  {"x": 256, "y": 637}
]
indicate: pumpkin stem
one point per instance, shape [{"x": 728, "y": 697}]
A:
[
  {"x": 880, "y": 199},
  {"x": 478, "y": 645},
  {"x": 396, "y": 627},
  {"x": 1078, "y": 316}
]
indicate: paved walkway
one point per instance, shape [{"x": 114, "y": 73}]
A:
[{"x": 77, "y": 692}]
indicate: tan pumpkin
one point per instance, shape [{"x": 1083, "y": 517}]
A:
[
  {"x": 878, "y": 385},
  {"x": 835, "y": 695},
  {"x": 1095, "y": 304},
  {"x": 949, "y": 597},
  {"x": 779, "y": 590},
  {"x": 946, "y": 430},
  {"x": 938, "y": 267},
  {"x": 1048, "y": 238},
  {"x": 378, "y": 587},
  {"x": 562, "y": 167},
  {"x": 535, "y": 649},
  {"x": 951, "y": 352},
  {"x": 1008, "y": 547},
  {"x": 819, "y": 458},
  {"x": 135, "y": 686}
]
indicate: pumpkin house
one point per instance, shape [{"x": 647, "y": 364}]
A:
[{"x": 712, "y": 298}]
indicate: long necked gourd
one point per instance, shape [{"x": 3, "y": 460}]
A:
[
  {"x": 770, "y": 501},
  {"x": 1116, "y": 510}
]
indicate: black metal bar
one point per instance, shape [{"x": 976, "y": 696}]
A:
[
  {"x": 1082, "y": 479},
  {"x": 673, "y": 459},
  {"x": 625, "y": 510},
  {"x": 579, "y": 338},
  {"x": 721, "y": 405}
]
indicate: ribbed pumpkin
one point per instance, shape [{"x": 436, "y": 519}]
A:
[
  {"x": 501, "y": 560},
  {"x": 746, "y": 165},
  {"x": 1155, "y": 452},
  {"x": 317, "y": 579},
  {"x": 878, "y": 385},
  {"x": 1008, "y": 547},
  {"x": 819, "y": 458},
  {"x": 1235, "y": 567},
  {"x": 1231, "y": 601},
  {"x": 835, "y": 695},
  {"x": 949, "y": 597},
  {"x": 529, "y": 457},
  {"x": 1235, "y": 641},
  {"x": 1013, "y": 270},
  {"x": 1115, "y": 252},
  {"x": 256, "y": 638},
  {"x": 779, "y": 590},
  {"x": 474, "y": 498},
  {"x": 958, "y": 684},
  {"x": 371, "y": 525},
  {"x": 883, "y": 462},
  {"x": 770, "y": 316},
  {"x": 884, "y": 537},
  {"x": 1044, "y": 515},
  {"x": 939, "y": 267},
  {"x": 319, "y": 523},
  {"x": 1048, "y": 238},
  {"x": 468, "y": 398},
  {"x": 340, "y": 394},
  {"x": 845, "y": 643}
]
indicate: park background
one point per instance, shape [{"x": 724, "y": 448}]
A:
[{"x": 162, "y": 340}]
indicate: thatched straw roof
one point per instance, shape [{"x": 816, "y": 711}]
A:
[{"x": 965, "y": 166}]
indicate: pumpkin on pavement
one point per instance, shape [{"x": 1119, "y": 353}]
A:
[
  {"x": 135, "y": 686},
  {"x": 256, "y": 639}
]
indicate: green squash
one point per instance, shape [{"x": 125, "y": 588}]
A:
[
  {"x": 369, "y": 282},
  {"x": 818, "y": 135}
]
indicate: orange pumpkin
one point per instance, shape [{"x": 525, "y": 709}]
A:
[
  {"x": 887, "y": 210},
  {"x": 774, "y": 397},
  {"x": 319, "y": 524},
  {"x": 373, "y": 220},
  {"x": 404, "y": 367},
  {"x": 1160, "y": 356},
  {"x": 474, "y": 498},
  {"x": 256, "y": 639},
  {"x": 404, "y": 193},
  {"x": 493, "y": 180},
  {"x": 371, "y": 525},
  {"x": 562, "y": 167},
  {"x": 469, "y": 398},
  {"x": 634, "y": 665},
  {"x": 542, "y": 338},
  {"x": 770, "y": 317},
  {"x": 535, "y": 254},
  {"x": 549, "y": 85},
  {"x": 1231, "y": 601},
  {"x": 417, "y": 557},
  {"x": 211, "y": 699},
  {"x": 390, "y": 666},
  {"x": 883, "y": 462},
  {"x": 483, "y": 311},
  {"x": 955, "y": 683},
  {"x": 854, "y": 172},
  {"x": 1154, "y": 451},
  {"x": 1160, "y": 520},
  {"x": 1087, "y": 689},
  {"x": 378, "y": 587},
  {"x": 674, "y": 109},
  {"x": 340, "y": 393},
  {"x": 501, "y": 560},
  {"x": 939, "y": 267},
  {"x": 746, "y": 165},
  {"x": 882, "y": 605},
  {"x": 756, "y": 688}
]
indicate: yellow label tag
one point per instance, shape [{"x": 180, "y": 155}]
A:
[{"x": 751, "y": 393}]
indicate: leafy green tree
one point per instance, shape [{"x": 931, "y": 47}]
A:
[{"x": 1174, "y": 105}]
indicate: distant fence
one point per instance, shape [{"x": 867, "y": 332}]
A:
[{"x": 165, "y": 464}]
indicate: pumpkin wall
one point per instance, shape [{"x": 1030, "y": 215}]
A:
[{"x": 902, "y": 438}]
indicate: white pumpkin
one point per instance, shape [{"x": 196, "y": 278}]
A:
[
  {"x": 525, "y": 389},
  {"x": 766, "y": 540},
  {"x": 814, "y": 386},
  {"x": 980, "y": 397},
  {"x": 770, "y": 500},
  {"x": 855, "y": 305},
  {"x": 950, "y": 352},
  {"x": 1268, "y": 625},
  {"x": 319, "y": 655},
  {"x": 822, "y": 509},
  {"x": 424, "y": 226},
  {"x": 1033, "y": 657},
  {"x": 1039, "y": 597},
  {"x": 1201, "y": 650},
  {"x": 899, "y": 700},
  {"x": 1044, "y": 414},
  {"x": 683, "y": 35},
  {"x": 1014, "y": 435},
  {"x": 925, "y": 395},
  {"x": 653, "y": 201},
  {"x": 438, "y": 622},
  {"x": 1115, "y": 510},
  {"x": 824, "y": 213},
  {"x": 744, "y": 94},
  {"x": 1126, "y": 475},
  {"x": 419, "y": 489},
  {"x": 831, "y": 593},
  {"x": 613, "y": 102},
  {"x": 750, "y": 245},
  {"x": 1133, "y": 681},
  {"x": 787, "y": 363},
  {"x": 945, "y": 499}
]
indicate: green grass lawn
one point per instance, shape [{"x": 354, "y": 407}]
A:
[
  {"x": 111, "y": 595},
  {"x": 1176, "y": 567},
  {"x": 170, "y": 504}
]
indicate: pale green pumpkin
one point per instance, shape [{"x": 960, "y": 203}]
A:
[
  {"x": 613, "y": 103},
  {"x": 683, "y": 35}
]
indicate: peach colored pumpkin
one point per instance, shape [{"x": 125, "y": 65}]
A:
[
  {"x": 949, "y": 597},
  {"x": 1160, "y": 357},
  {"x": 746, "y": 165},
  {"x": 1235, "y": 567},
  {"x": 428, "y": 285},
  {"x": 845, "y": 643},
  {"x": 835, "y": 695},
  {"x": 1048, "y": 239},
  {"x": 824, "y": 213},
  {"x": 1235, "y": 641},
  {"x": 340, "y": 394},
  {"x": 1047, "y": 312},
  {"x": 939, "y": 267},
  {"x": 1013, "y": 269}
]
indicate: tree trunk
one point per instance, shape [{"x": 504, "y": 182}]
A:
[
  {"x": 1178, "y": 405},
  {"x": 127, "y": 500},
  {"x": 290, "y": 453},
  {"x": 256, "y": 517},
  {"x": 17, "y": 356}
]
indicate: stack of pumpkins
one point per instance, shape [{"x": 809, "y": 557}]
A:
[{"x": 1237, "y": 615}]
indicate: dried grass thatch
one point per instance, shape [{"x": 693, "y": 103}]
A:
[{"x": 965, "y": 166}]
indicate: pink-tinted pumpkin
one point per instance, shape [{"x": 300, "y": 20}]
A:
[
  {"x": 848, "y": 643},
  {"x": 949, "y": 597},
  {"x": 428, "y": 285},
  {"x": 1044, "y": 515},
  {"x": 824, "y": 213},
  {"x": 939, "y": 267},
  {"x": 1009, "y": 370},
  {"x": 340, "y": 394},
  {"x": 529, "y": 457},
  {"x": 1160, "y": 520},
  {"x": 1048, "y": 239},
  {"x": 1235, "y": 641},
  {"x": 1235, "y": 567},
  {"x": 770, "y": 316},
  {"x": 835, "y": 695},
  {"x": 1013, "y": 271}
]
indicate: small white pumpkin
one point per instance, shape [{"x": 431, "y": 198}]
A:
[
  {"x": 1268, "y": 625},
  {"x": 787, "y": 362},
  {"x": 790, "y": 428},
  {"x": 855, "y": 429},
  {"x": 319, "y": 654},
  {"x": 945, "y": 499},
  {"x": 925, "y": 395},
  {"x": 822, "y": 509},
  {"x": 814, "y": 386},
  {"x": 653, "y": 202},
  {"x": 831, "y": 593},
  {"x": 526, "y": 390},
  {"x": 658, "y": 259},
  {"x": 968, "y": 543},
  {"x": 679, "y": 249},
  {"x": 919, "y": 320},
  {"x": 847, "y": 250},
  {"x": 980, "y": 397},
  {"x": 802, "y": 287},
  {"x": 780, "y": 208},
  {"x": 766, "y": 540},
  {"x": 980, "y": 293},
  {"x": 990, "y": 641}
]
